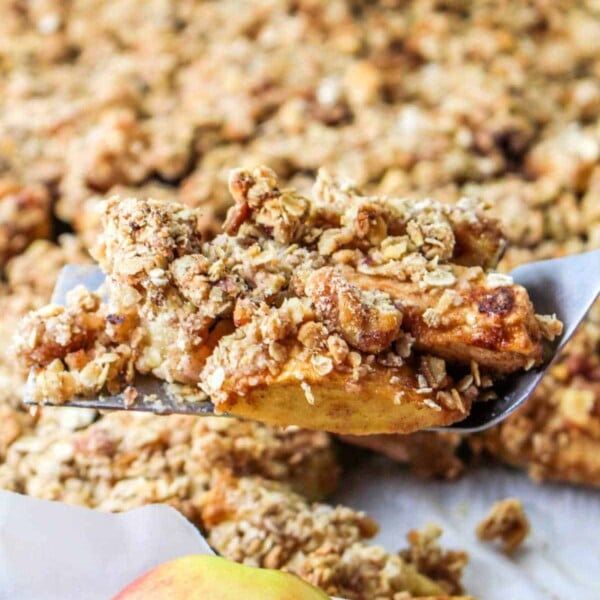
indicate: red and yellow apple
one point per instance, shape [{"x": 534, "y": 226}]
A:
[{"x": 204, "y": 577}]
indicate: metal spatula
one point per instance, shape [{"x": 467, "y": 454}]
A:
[{"x": 564, "y": 286}]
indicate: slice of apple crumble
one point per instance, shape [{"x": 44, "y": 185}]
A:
[{"x": 342, "y": 312}]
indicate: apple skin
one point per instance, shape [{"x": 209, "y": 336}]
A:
[{"x": 205, "y": 577}]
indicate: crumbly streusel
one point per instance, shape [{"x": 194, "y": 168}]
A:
[
  {"x": 262, "y": 523},
  {"x": 123, "y": 460},
  {"x": 556, "y": 433},
  {"x": 30, "y": 278},
  {"x": 507, "y": 522}
]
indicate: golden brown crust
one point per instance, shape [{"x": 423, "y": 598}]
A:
[
  {"x": 478, "y": 320},
  {"x": 383, "y": 400},
  {"x": 367, "y": 319}
]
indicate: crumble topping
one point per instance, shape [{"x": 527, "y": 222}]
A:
[
  {"x": 507, "y": 522},
  {"x": 264, "y": 524},
  {"x": 124, "y": 460},
  {"x": 554, "y": 435},
  {"x": 366, "y": 319},
  {"x": 426, "y": 555},
  {"x": 490, "y": 101}
]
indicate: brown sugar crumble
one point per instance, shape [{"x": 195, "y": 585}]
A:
[
  {"x": 425, "y": 554},
  {"x": 555, "y": 435},
  {"x": 507, "y": 523}
]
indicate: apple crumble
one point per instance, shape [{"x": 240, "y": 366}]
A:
[
  {"x": 119, "y": 461},
  {"x": 299, "y": 310}
]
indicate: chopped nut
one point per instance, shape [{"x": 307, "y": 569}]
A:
[
  {"x": 434, "y": 370},
  {"x": 338, "y": 349},
  {"x": 369, "y": 322}
]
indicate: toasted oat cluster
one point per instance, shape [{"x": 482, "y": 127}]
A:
[
  {"x": 30, "y": 278},
  {"x": 506, "y": 522},
  {"x": 263, "y": 524},
  {"x": 234, "y": 479},
  {"x": 125, "y": 460},
  {"x": 371, "y": 290}
]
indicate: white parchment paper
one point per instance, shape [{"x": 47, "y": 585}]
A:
[
  {"x": 560, "y": 559},
  {"x": 52, "y": 551}
]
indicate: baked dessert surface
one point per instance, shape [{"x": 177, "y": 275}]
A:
[{"x": 494, "y": 101}]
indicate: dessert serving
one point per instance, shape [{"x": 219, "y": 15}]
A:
[{"x": 344, "y": 312}]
